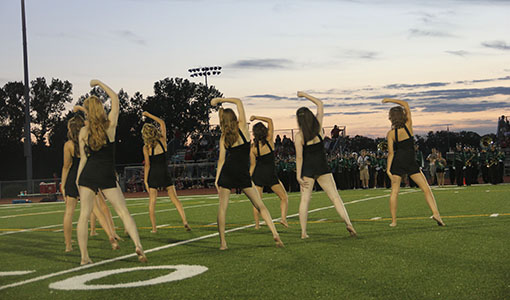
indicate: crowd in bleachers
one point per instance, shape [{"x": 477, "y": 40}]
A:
[{"x": 194, "y": 166}]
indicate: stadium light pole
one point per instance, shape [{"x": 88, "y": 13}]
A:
[
  {"x": 28, "y": 139},
  {"x": 205, "y": 71}
]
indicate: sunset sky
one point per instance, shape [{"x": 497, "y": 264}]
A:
[{"x": 450, "y": 59}]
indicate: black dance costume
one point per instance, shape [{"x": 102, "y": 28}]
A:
[
  {"x": 314, "y": 160},
  {"x": 265, "y": 169},
  {"x": 235, "y": 172},
  {"x": 158, "y": 171},
  {"x": 404, "y": 160},
  {"x": 71, "y": 188},
  {"x": 99, "y": 171}
]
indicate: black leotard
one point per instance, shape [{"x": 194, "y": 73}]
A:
[
  {"x": 404, "y": 159},
  {"x": 265, "y": 169},
  {"x": 71, "y": 188},
  {"x": 99, "y": 171},
  {"x": 158, "y": 171},
  {"x": 235, "y": 172},
  {"x": 314, "y": 160}
]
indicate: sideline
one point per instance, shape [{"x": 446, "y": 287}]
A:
[{"x": 43, "y": 277}]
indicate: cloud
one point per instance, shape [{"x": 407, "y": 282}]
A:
[
  {"x": 419, "y": 85},
  {"x": 349, "y": 113},
  {"x": 465, "y": 107},
  {"x": 360, "y": 54},
  {"x": 458, "y": 52},
  {"x": 499, "y": 45},
  {"x": 130, "y": 36},
  {"x": 269, "y": 63},
  {"x": 272, "y": 97},
  {"x": 413, "y": 32}
]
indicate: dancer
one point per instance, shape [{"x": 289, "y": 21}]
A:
[
  {"x": 233, "y": 169},
  {"x": 156, "y": 169},
  {"x": 96, "y": 171},
  {"x": 69, "y": 188},
  {"x": 263, "y": 169},
  {"x": 401, "y": 159},
  {"x": 311, "y": 164}
]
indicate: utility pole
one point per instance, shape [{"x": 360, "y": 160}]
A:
[{"x": 28, "y": 138}]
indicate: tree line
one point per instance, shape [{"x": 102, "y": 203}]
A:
[{"x": 184, "y": 105}]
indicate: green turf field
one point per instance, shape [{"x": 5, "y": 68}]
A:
[{"x": 467, "y": 259}]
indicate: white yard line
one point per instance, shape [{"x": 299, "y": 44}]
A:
[{"x": 43, "y": 277}]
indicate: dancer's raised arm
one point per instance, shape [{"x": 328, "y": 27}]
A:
[
  {"x": 405, "y": 105},
  {"x": 161, "y": 123},
  {"x": 320, "y": 105},
  {"x": 239, "y": 104},
  {"x": 270, "y": 126},
  {"x": 113, "y": 116}
]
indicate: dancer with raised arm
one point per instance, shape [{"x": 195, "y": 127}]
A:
[
  {"x": 70, "y": 189},
  {"x": 156, "y": 168},
  {"x": 263, "y": 168},
  {"x": 96, "y": 171},
  {"x": 233, "y": 169},
  {"x": 401, "y": 159},
  {"x": 312, "y": 165}
]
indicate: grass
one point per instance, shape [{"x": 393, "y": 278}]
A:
[{"x": 467, "y": 259}]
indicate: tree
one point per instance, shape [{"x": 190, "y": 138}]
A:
[
  {"x": 47, "y": 106},
  {"x": 184, "y": 105}
]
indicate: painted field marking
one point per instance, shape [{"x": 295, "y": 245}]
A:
[
  {"x": 376, "y": 218},
  {"x": 494, "y": 215},
  {"x": 79, "y": 282},
  {"x": 15, "y": 273},
  {"x": 43, "y": 277}
]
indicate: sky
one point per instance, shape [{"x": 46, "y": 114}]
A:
[{"x": 450, "y": 59}]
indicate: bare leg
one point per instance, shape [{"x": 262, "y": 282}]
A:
[
  {"x": 116, "y": 198},
  {"x": 153, "y": 196},
  {"x": 178, "y": 205},
  {"x": 96, "y": 211},
  {"x": 279, "y": 190},
  {"x": 93, "y": 224},
  {"x": 224, "y": 195},
  {"x": 420, "y": 180},
  {"x": 395, "y": 188},
  {"x": 255, "y": 211},
  {"x": 306, "y": 195},
  {"x": 327, "y": 183},
  {"x": 254, "y": 197},
  {"x": 87, "y": 204},
  {"x": 68, "y": 221},
  {"x": 107, "y": 214}
]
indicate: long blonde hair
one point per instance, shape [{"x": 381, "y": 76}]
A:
[
  {"x": 229, "y": 126},
  {"x": 150, "y": 134},
  {"x": 98, "y": 123},
  {"x": 73, "y": 131}
]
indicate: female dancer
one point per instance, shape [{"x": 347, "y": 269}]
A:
[
  {"x": 69, "y": 188},
  {"x": 401, "y": 158},
  {"x": 262, "y": 166},
  {"x": 312, "y": 165},
  {"x": 156, "y": 168},
  {"x": 96, "y": 171},
  {"x": 440, "y": 169},
  {"x": 233, "y": 169}
]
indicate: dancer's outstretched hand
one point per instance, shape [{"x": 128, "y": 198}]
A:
[
  {"x": 386, "y": 100},
  {"x": 215, "y": 101},
  {"x": 302, "y": 183},
  {"x": 301, "y": 94},
  {"x": 94, "y": 82},
  {"x": 252, "y": 118}
]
